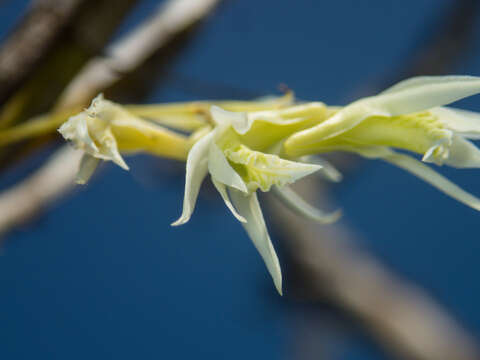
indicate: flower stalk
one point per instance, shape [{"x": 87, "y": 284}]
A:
[{"x": 268, "y": 144}]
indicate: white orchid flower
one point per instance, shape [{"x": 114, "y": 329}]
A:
[
  {"x": 229, "y": 153},
  {"x": 275, "y": 142},
  {"x": 105, "y": 129},
  {"x": 410, "y": 116}
]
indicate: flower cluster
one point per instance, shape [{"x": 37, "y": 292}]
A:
[
  {"x": 409, "y": 116},
  {"x": 250, "y": 146}
]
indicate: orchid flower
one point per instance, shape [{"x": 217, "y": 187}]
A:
[
  {"x": 231, "y": 154},
  {"x": 105, "y": 130},
  {"x": 269, "y": 144},
  {"x": 409, "y": 116}
]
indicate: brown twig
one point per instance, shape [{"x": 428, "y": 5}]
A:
[
  {"x": 53, "y": 35},
  {"x": 26, "y": 199},
  {"x": 326, "y": 266},
  {"x": 32, "y": 39},
  {"x": 44, "y": 52},
  {"x": 124, "y": 57},
  {"x": 156, "y": 32}
]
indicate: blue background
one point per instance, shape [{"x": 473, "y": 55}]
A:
[{"x": 103, "y": 275}]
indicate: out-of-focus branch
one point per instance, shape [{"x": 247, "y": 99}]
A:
[
  {"x": 155, "y": 33},
  {"x": 326, "y": 266},
  {"x": 447, "y": 40},
  {"x": 54, "y": 35},
  {"x": 32, "y": 39},
  {"x": 451, "y": 38},
  {"x": 74, "y": 31},
  {"x": 123, "y": 57},
  {"x": 24, "y": 200}
]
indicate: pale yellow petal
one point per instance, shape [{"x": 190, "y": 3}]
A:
[
  {"x": 196, "y": 170},
  {"x": 249, "y": 208},
  {"x": 299, "y": 206}
]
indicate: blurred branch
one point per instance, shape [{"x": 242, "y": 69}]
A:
[
  {"x": 45, "y": 51},
  {"x": 124, "y": 57},
  {"x": 126, "y": 83},
  {"x": 449, "y": 39},
  {"x": 54, "y": 35},
  {"x": 26, "y": 199},
  {"x": 324, "y": 265},
  {"x": 125, "y": 54},
  {"x": 32, "y": 39}
]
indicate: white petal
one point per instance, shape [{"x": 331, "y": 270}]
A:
[
  {"x": 425, "y": 80},
  {"x": 196, "y": 171},
  {"x": 425, "y": 173},
  {"x": 97, "y": 104},
  {"x": 424, "y": 93},
  {"x": 76, "y": 130},
  {"x": 222, "y": 189},
  {"x": 299, "y": 206},
  {"x": 430, "y": 157},
  {"x": 249, "y": 208},
  {"x": 238, "y": 120},
  {"x": 289, "y": 116},
  {"x": 439, "y": 152},
  {"x": 463, "y": 154},
  {"x": 466, "y": 123},
  {"x": 327, "y": 170},
  {"x": 118, "y": 159},
  {"x": 222, "y": 171},
  {"x": 108, "y": 149},
  {"x": 88, "y": 164}
]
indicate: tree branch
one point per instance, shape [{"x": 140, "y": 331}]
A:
[
  {"x": 32, "y": 39},
  {"x": 157, "y": 32},
  {"x": 326, "y": 265},
  {"x": 323, "y": 264},
  {"x": 124, "y": 57},
  {"x": 26, "y": 199},
  {"x": 53, "y": 35}
]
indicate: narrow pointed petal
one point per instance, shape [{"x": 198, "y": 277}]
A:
[
  {"x": 109, "y": 150},
  {"x": 222, "y": 171},
  {"x": 88, "y": 164},
  {"x": 344, "y": 120},
  {"x": 327, "y": 170},
  {"x": 238, "y": 120},
  {"x": 424, "y": 93},
  {"x": 299, "y": 206},
  {"x": 222, "y": 189},
  {"x": 429, "y": 175},
  {"x": 463, "y": 154},
  {"x": 412, "y": 96},
  {"x": 118, "y": 159},
  {"x": 249, "y": 208},
  {"x": 425, "y": 80},
  {"x": 196, "y": 171},
  {"x": 408, "y": 97}
]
